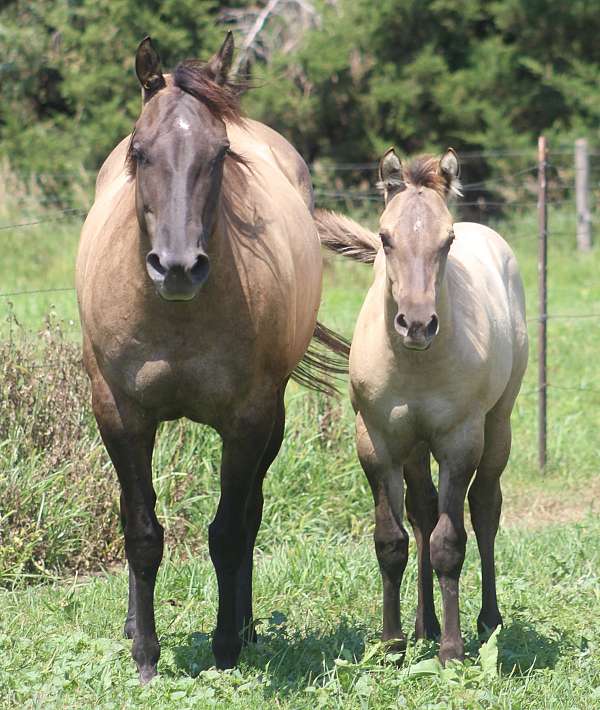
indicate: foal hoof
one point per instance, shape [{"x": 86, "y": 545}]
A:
[
  {"x": 452, "y": 651},
  {"x": 396, "y": 645},
  {"x": 226, "y": 650},
  {"x": 428, "y": 629},
  {"x": 487, "y": 624}
]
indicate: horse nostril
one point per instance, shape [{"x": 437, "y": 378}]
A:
[
  {"x": 433, "y": 326},
  {"x": 401, "y": 323},
  {"x": 153, "y": 260},
  {"x": 200, "y": 269}
]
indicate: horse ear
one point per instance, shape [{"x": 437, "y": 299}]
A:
[
  {"x": 390, "y": 174},
  {"x": 220, "y": 63},
  {"x": 148, "y": 69},
  {"x": 449, "y": 168}
]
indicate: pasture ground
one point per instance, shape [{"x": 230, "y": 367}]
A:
[{"x": 317, "y": 586}]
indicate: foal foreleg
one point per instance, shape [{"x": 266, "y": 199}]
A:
[
  {"x": 390, "y": 537},
  {"x": 229, "y": 534},
  {"x": 129, "y": 437},
  {"x": 458, "y": 456},
  {"x": 422, "y": 513}
]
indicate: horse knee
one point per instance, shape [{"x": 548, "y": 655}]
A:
[
  {"x": 392, "y": 553},
  {"x": 447, "y": 547}
]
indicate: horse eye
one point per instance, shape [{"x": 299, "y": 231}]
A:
[
  {"x": 139, "y": 156},
  {"x": 385, "y": 240}
]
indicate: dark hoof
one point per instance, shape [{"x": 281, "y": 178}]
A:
[
  {"x": 452, "y": 651},
  {"x": 147, "y": 673},
  {"x": 395, "y": 645},
  {"x": 146, "y": 652},
  {"x": 429, "y": 629},
  {"x": 485, "y": 625},
  {"x": 226, "y": 650}
]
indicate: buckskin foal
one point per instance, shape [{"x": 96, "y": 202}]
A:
[
  {"x": 437, "y": 359},
  {"x": 199, "y": 280}
]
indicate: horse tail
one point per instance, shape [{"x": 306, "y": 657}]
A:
[
  {"x": 346, "y": 237},
  {"x": 325, "y": 361}
]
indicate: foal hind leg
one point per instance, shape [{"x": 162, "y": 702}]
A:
[
  {"x": 422, "y": 513},
  {"x": 390, "y": 537},
  {"x": 254, "y": 511},
  {"x": 485, "y": 502},
  {"x": 129, "y": 437},
  {"x": 244, "y": 446}
]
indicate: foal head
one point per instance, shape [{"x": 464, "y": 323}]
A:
[
  {"x": 416, "y": 233},
  {"x": 176, "y": 154}
]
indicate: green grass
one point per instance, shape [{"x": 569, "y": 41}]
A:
[
  {"x": 317, "y": 584},
  {"x": 318, "y": 598}
]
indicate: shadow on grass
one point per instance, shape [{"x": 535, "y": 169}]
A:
[
  {"x": 291, "y": 659},
  {"x": 521, "y": 648}
]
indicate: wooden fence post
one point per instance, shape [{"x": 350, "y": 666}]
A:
[
  {"x": 543, "y": 298},
  {"x": 582, "y": 174}
]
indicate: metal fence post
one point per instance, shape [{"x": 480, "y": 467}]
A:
[{"x": 543, "y": 298}]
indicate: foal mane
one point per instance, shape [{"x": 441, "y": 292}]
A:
[{"x": 423, "y": 171}]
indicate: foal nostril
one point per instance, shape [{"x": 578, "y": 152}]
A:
[
  {"x": 433, "y": 326},
  {"x": 153, "y": 261},
  {"x": 200, "y": 269},
  {"x": 401, "y": 324}
]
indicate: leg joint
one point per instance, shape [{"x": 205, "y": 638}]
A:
[{"x": 447, "y": 548}]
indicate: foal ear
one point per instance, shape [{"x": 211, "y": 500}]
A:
[
  {"x": 390, "y": 175},
  {"x": 219, "y": 64},
  {"x": 449, "y": 169},
  {"x": 148, "y": 70}
]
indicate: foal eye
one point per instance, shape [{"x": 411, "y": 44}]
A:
[{"x": 385, "y": 240}]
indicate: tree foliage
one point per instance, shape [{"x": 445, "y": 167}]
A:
[{"x": 474, "y": 74}]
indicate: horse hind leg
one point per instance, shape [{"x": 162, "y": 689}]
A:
[
  {"x": 390, "y": 537},
  {"x": 485, "y": 503},
  {"x": 422, "y": 513}
]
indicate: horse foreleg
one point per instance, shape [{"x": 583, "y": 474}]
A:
[
  {"x": 129, "y": 439},
  {"x": 254, "y": 510},
  {"x": 229, "y": 534},
  {"x": 458, "y": 455},
  {"x": 422, "y": 513},
  {"x": 390, "y": 537}
]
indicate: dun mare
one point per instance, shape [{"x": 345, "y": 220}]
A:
[
  {"x": 437, "y": 359},
  {"x": 198, "y": 280}
]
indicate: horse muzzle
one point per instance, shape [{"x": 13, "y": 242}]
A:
[{"x": 178, "y": 279}]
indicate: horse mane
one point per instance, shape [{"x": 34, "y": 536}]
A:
[{"x": 423, "y": 171}]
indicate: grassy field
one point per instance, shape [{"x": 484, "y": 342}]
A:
[{"x": 317, "y": 585}]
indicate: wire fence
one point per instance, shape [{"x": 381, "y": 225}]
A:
[{"x": 372, "y": 195}]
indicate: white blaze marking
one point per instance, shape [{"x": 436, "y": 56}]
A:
[
  {"x": 182, "y": 123},
  {"x": 418, "y": 225}
]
